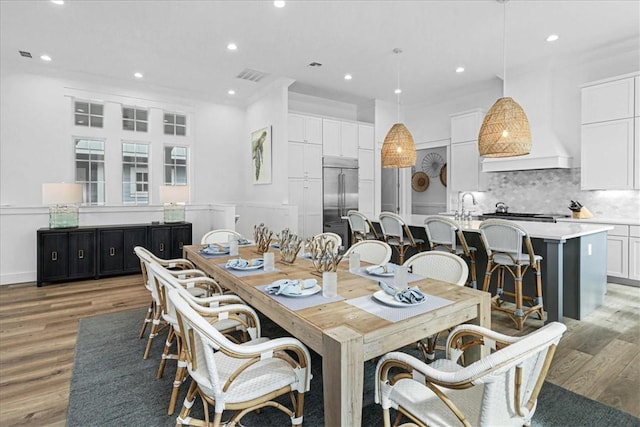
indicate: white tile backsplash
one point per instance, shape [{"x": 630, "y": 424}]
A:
[{"x": 550, "y": 191}]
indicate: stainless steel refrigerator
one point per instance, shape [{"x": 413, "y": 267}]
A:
[{"x": 340, "y": 183}]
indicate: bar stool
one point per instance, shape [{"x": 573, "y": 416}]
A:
[
  {"x": 361, "y": 227},
  {"x": 397, "y": 234},
  {"x": 503, "y": 241},
  {"x": 444, "y": 234}
]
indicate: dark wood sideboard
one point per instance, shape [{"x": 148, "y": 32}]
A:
[{"x": 66, "y": 254}]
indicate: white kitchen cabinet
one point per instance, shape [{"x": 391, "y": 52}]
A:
[
  {"x": 607, "y": 155},
  {"x": 305, "y": 160},
  {"x": 307, "y": 129},
  {"x": 366, "y": 197},
  {"x": 636, "y": 149},
  {"x": 618, "y": 256},
  {"x": 366, "y": 137},
  {"x": 339, "y": 138},
  {"x": 307, "y": 195},
  {"x": 611, "y": 100},
  {"x": 610, "y": 147},
  {"x": 634, "y": 252},
  {"x": 365, "y": 164},
  {"x": 465, "y": 166}
]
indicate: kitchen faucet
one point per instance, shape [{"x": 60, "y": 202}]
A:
[{"x": 473, "y": 199}]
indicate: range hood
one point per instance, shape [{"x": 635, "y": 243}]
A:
[{"x": 533, "y": 92}]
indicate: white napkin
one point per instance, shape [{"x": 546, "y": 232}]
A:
[
  {"x": 290, "y": 287},
  {"x": 381, "y": 269}
]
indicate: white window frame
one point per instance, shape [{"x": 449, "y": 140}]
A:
[
  {"x": 135, "y": 120},
  {"x": 89, "y": 114},
  {"x": 139, "y": 197},
  {"x": 174, "y": 166},
  {"x": 101, "y": 185},
  {"x": 170, "y": 123}
]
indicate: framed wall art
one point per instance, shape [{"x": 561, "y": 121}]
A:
[{"x": 261, "y": 156}]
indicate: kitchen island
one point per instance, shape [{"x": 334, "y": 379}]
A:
[{"x": 574, "y": 265}]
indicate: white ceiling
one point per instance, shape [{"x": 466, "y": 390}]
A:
[{"x": 181, "y": 45}]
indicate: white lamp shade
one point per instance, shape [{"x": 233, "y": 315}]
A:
[
  {"x": 61, "y": 193},
  {"x": 174, "y": 193}
]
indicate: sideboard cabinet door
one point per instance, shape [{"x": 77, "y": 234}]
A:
[
  {"x": 53, "y": 256},
  {"x": 82, "y": 254},
  {"x": 161, "y": 241},
  {"x": 134, "y": 236},
  {"x": 111, "y": 253},
  {"x": 180, "y": 236}
]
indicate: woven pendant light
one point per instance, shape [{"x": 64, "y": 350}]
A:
[
  {"x": 505, "y": 130},
  {"x": 398, "y": 148}
]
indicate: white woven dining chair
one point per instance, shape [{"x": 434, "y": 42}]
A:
[
  {"x": 239, "y": 377},
  {"x": 500, "y": 389},
  {"x": 437, "y": 265},
  {"x": 371, "y": 251},
  {"x": 164, "y": 282},
  {"x": 180, "y": 267},
  {"x": 396, "y": 233}
]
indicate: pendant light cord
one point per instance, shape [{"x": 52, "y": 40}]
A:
[
  {"x": 504, "y": 48},
  {"x": 398, "y": 51}
]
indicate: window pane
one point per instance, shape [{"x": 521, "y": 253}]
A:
[
  {"x": 180, "y": 130},
  {"x": 168, "y": 172},
  {"x": 141, "y": 115},
  {"x": 128, "y": 113},
  {"x": 141, "y": 126},
  {"x": 168, "y": 129},
  {"x": 82, "y": 107},
  {"x": 93, "y": 193},
  {"x": 181, "y": 175},
  {"x": 82, "y": 171},
  {"x": 96, "y": 109},
  {"x": 96, "y": 122},
  {"x": 181, "y": 120},
  {"x": 128, "y": 125},
  {"x": 169, "y": 119},
  {"x": 82, "y": 120}
]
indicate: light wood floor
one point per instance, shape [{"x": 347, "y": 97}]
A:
[{"x": 599, "y": 357}]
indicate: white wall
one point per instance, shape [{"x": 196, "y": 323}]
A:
[{"x": 36, "y": 146}]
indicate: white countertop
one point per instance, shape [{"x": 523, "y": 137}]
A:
[
  {"x": 615, "y": 221},
  {"x": 540, "y": 230}
]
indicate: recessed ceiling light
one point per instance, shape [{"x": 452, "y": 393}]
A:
[
  {"x": 137, "y": 75},
  {"x": 279, "y": 3},
  {"x": 45, "y": 57},
  {"x": 552, "y": 38},
  {"x": 232, "y": 46},
  {"x": 460, "y": 70},
  {"x": 231, "y": 92},
  {"x": 348, "y": 76},
  {"x": 58, "y": 2},
  {"x": 397, "y": 91}
]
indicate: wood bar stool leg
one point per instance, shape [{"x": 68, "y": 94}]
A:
[
  {"x": 474, "y": 274},
  {"x": 500, "y": 288},
  {"x": 518, "y": 314},
  {"x": 487, "y": 277},
  {"x": 539, "y": 299}
]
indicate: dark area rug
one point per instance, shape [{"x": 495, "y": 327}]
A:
[{"x": 112, "y": 385}]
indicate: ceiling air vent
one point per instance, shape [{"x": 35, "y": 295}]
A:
[
  {"x": 25, "y": 54},
  {"x": 251, "y": 75}
]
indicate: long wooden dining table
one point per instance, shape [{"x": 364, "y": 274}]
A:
[{"x": 344, "y": 335}]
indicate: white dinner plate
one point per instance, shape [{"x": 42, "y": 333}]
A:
[
  {"x": 248, "y": 267},
  {"x": 385, "y": 298},
  {"x": 215, "y": 250},
  {"x": 304, "y": 293},
  {"x": 371, "y": 270}
]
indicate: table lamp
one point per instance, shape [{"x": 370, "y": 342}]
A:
[
  {"x": 174, "y": 198},
  {"x": 63, "y": 199}
]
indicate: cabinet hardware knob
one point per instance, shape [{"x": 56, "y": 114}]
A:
[
  {"x": 112, "y": 251},
  {"x": 180, "y": 245},
  {"x": 54, "y": 256},
  {"x": 161, "y": 247},
  {"x": 81, "y": 254}
]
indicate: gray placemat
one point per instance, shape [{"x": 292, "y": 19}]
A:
[
  {"x": 394, "y": 314},
  {"x": 300, "y": 303}
]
